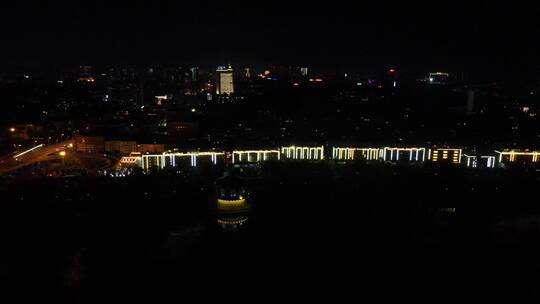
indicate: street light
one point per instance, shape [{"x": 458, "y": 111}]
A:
[
  {"x": 11, "y": 130},
  {"x": 63, "y": 156}
]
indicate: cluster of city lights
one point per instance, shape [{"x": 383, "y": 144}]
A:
[{"x": 340, "y": 154}]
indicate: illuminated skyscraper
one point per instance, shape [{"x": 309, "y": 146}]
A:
[
  {"x": 304, "y": 71},
  {"x": 224, "y": 83},
  {"x": 247, "y": 72}
]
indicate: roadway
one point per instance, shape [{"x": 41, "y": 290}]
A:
[{"x": 30, "y": 156}]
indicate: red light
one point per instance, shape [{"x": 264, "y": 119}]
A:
[
  {"x": 311, "y": 79},
  {"x": 392, "y": 71},
  {"x": 318, "y": 79},
  {"x": 295, "y": 84}
]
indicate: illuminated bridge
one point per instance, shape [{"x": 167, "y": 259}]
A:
[
  {"x": 254, "y": 156},
  {"x": 413, "y": 155},
  {"x": 177, "y": 159},
  {"x": 513, "y": 156},
  {"x": 356, "y": 153},
  {"x": 303, "y": 153}
]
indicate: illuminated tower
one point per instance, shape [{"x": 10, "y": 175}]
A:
[{"x": 224, "y": 80}]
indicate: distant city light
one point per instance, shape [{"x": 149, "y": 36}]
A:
[
  {"x": 11, "y": 129},
  {"x": 193, "y": 110},
  {"x": 438, "y": 78},
  {"x": 62, "y": 153}
]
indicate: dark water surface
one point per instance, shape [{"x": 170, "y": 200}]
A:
[{"x": 85, "y": 240}]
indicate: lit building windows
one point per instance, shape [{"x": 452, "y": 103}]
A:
[{"x": 445, "y": 155}]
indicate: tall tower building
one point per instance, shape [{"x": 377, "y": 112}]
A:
[
  {"x": 194, "y": 73},
  {"x": 224, "y": 83}
]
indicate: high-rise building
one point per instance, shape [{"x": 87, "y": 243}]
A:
[
  {"x": 247, "y": 72},
  {"x": 194, "y": 73},
  {"x": 304, "y": 71},
  {"x": 224, "y": 84}
]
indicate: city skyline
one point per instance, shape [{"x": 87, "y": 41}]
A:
[
  {"x": 164, "y": 150},
  {"x": 488, "y": 38}
]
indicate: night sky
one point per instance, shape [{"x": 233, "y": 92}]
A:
[{"x": 489, "y": 38}]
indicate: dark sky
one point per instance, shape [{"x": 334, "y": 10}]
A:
[{"x": 486, "y": 36}]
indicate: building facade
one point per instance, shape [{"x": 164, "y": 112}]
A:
[{"x": 224, "y": 83}]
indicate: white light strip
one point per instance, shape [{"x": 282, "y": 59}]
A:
[{"x": 29, "y": 150}]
